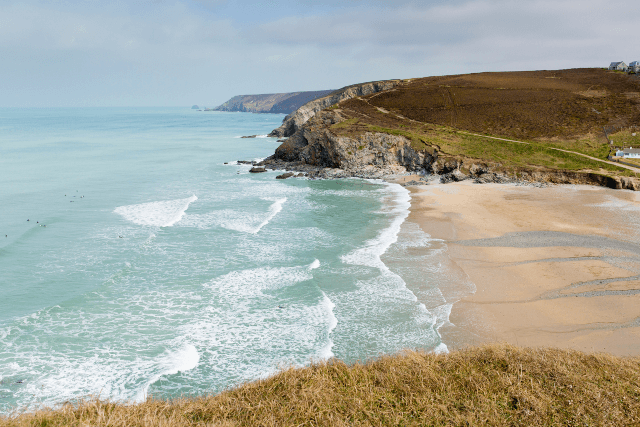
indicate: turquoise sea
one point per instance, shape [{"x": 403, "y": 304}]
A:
[{"x": 135, "y": 263}]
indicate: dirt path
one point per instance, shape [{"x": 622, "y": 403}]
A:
[{"x": 631, "y": 168}]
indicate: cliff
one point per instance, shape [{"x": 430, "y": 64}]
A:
[
  {"x": 430, "y": 126},
  {"x": 282, "y": 103},
  {"x": 294, "y": 121}
]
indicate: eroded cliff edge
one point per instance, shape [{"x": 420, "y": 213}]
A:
[
  {"x": 458, "y": 128},
  {"x": 320, "y": 153},
  {"x": 294, "y": 121}
]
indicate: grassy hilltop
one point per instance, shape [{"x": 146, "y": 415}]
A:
[
  {"x": 549, "y": 110},
  {"x": 490, "y": 385}
]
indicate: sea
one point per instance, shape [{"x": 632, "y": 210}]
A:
[{"x": 138, "y": 259}]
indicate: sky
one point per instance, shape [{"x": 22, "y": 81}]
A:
[{"x": 86, "y": 53}]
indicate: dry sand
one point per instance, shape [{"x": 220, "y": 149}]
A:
[{"x": 556, "y": 266}]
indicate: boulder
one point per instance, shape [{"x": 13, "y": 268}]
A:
[
  {"x": 257, "y": 170},
  {"x": 455, "y": 176},
  {"x": 285, "y": 175}
]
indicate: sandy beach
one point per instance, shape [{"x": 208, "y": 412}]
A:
[{"x": 556, "y": 266}]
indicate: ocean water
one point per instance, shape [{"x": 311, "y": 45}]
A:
[{"x": 136, "y": 263}]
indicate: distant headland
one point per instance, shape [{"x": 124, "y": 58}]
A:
[{"x": 275, "y": 103}]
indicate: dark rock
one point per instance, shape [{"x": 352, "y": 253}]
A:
[
  {"x": 414, "y": 182},
  {"x": 257, "y": 170},
  {"x": 455, "y": 176},
  {"x": 250, "y": 136},
  {"x": 477, "y": 170},
  {"x": 285, "y": 175},
  {"x": 246, "y": 162}
]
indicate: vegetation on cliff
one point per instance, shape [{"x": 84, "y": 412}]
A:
[
  {"x": 547, "y": 122},
  {"x": 489, "y": 385}
]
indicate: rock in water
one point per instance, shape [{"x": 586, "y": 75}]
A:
[
  {"x": 257, "y": 170},
  {"x": 285, "y": 175}
]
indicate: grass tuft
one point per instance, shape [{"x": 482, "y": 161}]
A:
[{"x": 489, "y": 385}]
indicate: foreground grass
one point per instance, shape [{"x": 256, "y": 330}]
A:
[{"x": 494, "y": 385}]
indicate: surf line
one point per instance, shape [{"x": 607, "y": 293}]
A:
[
  {"x": 327, "y": 305},
  {"x": 370, "y": 255},
  {"x": 274, "y": 209}
]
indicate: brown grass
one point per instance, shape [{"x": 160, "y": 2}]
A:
[
  {"x": 489, "y": 385},
  {"x": 520, "y": 105}
]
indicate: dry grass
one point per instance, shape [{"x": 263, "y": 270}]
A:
[
  {"x": 626, "y": 138},
  {"x": 490, "y": 385}
]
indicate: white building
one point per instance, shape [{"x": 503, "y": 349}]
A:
[
  {"x": 634, "y": 67},
  {"x": 618, "y": 66},
  {"x": 630, "y": 153}
]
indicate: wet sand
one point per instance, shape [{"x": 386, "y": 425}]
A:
[{"x": 556, "y": 266}]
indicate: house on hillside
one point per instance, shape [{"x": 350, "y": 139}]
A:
[
  {"x": 629, "y": 153},
  {"x": 618, "y": 66},
  {"x": 634, "y": 67}
]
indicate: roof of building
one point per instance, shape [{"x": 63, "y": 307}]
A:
[
  {"x": 634, "y": 63},
  {"x": 631, "y": 151}
]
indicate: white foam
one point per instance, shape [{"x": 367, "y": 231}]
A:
[
  {"x": 254, "y": 281},
  {"x": 370, "y": 254},
  {"x": 315, "y": 264},
  {"x": 182, "y": 360},
  {"x": 442, "y": 314},
  {"x": 274, "y": 209},
  {"x": 158, "y": 214},
  {"x": 244, "y": 222},
  {"x": 441, "y": 349},
  {"x": 332, "y": 321}
]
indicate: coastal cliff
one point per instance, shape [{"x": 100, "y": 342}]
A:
[
  {"x": 275, "y": 103},
  {"x": 426, "y": 127},
  {"x": 294, "y": 121}
]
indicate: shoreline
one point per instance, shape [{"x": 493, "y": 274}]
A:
[{"x": 557, "y": 266}]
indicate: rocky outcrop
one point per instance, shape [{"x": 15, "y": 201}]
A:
[
  {"x": 315, "y": 144},
  {"x": 318, "y": 152},
  {"x": 293, "y": 122}
]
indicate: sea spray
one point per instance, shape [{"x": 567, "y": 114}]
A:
[
  {"x": 181, "y": 360},
  {"x": 328, "y": 305},
  {"x": 157, "y": 214}
]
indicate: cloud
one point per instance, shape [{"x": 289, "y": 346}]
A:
[{"x": 168, "y": 52}]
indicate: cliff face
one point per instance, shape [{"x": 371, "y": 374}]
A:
[
  {"x": 280, "y": 103},
  {"x": 315, "y": 148},
  {"x": 314, "y": 144},
  {"x": 294, "y": 121},
  {"x": 462, "y": 127}
]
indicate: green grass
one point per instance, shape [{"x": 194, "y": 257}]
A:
[
  {"x": 625, "y": 138},
  {"x": 417, "y": 140},
  {"x": 511, "y": 155},
  {"x": 344, "y": 124}
]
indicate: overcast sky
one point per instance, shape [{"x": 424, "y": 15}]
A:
[{"x": 177, "y": 53}]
